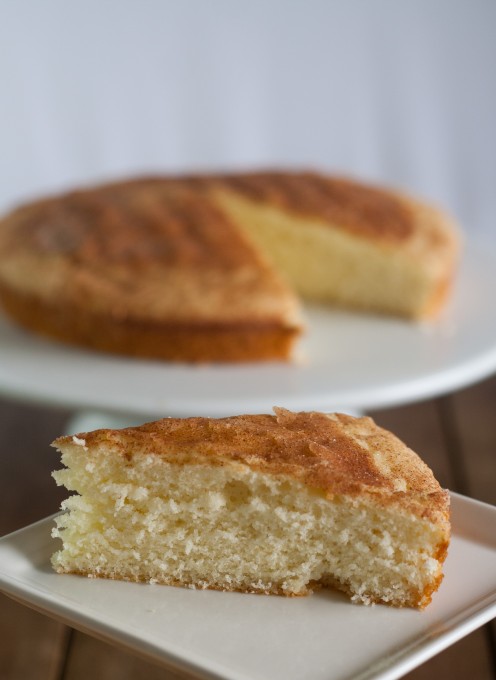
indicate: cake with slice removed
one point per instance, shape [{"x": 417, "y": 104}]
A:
[
  {"x": 211, "y": 267},
  {"x": 277, "y": 504}
]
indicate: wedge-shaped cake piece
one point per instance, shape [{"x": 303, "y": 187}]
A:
[{"x": 271, "y": 504}]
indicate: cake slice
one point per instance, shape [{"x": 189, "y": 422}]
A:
[{"x": 278, "y": 503}]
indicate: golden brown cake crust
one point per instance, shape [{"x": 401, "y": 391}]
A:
[
  {"x": 149, "y": 249},
  {"x": 331, "y": 453},
  {"x": 149, "y": 268},
  {"x": 136, "y": 223},
  {"x": 177, "y": 222},
  {"x": 200, "y": 342}
]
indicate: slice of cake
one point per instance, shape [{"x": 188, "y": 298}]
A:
[
  {"x": 208, "y": 268},
  {"x": 270, "y": 504}
]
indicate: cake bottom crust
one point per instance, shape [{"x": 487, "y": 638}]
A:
[
  {"x": 181, "y": 341},
  {"x": 416, "y": 599}
]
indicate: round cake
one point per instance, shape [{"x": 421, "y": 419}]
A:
[{"x": 212, "y": 268}]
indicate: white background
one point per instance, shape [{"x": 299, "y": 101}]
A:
[{"x": 395, "y": 91}]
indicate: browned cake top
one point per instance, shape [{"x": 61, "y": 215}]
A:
[
  {"x": 334, "y": 453},
  {"x": 155, "y": 248},
  {"x": 143, "y": 249},
  {"x": 133, "y": 223},
  {"x": 176, "y": 220}
]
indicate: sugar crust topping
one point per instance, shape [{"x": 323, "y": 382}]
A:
[{"x": 332, "y": 453}]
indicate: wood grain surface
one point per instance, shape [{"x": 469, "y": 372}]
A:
[{"x": 456, "y": 436}]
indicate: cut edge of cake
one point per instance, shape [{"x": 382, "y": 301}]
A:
[{"x": 407, "y": 271}]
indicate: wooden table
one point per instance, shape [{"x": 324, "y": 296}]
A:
[{"x": 455, "y": 435}]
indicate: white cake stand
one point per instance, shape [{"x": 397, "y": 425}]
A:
[{"x": 353, "y": 362}]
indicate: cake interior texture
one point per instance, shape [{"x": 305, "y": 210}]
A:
[
  {"x": 141, "y": 517},
  {"x": 329, "y": 264}
]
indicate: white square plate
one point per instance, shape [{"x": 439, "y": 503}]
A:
[{"x": 239, "y": 637}]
